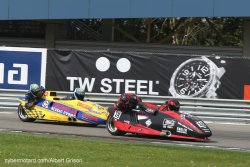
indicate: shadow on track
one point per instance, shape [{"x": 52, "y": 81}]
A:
[
  {"x": 68, "y": 124},
  {"x": 164, "y": 138},
  {"x": 126, "y": 137}
]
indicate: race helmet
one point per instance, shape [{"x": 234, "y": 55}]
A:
[
  {"x": 173, "y": 105},
  {"x": 36, "y": 90},
  {"x": 124, "y": 99},
  {"x": 129, "y": 100},
  {"x": 133, "y": 101},
  {"x": 79, "y": 93}
]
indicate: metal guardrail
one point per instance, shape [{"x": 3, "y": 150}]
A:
[
  {"x": 134, "y": 47},
  {"x": 216, "y": 110}
]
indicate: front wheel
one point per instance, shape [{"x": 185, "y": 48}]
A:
[
  {"x": 23, "y": 116},
  {"x": 111, "y": 127}
]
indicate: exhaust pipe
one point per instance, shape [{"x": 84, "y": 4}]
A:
[{"x": 166, "y": 133}]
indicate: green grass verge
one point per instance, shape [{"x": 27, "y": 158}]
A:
[{"x": 22, "y": 149}]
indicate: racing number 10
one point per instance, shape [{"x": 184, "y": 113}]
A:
[{"x": 11, "y": 73}]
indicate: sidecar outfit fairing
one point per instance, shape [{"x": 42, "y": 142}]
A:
[
  {"x": 50, "y": 107},
  {"x": 167, "y": 123}
]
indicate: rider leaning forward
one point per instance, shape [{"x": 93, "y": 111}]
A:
[
  {"x": 129, "y": 101},
  {"x": 34, "y": 94}
]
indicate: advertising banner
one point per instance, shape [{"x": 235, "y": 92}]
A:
[
  {"x": 148, "y": 74},
  {"x": 20, "y": 67}
]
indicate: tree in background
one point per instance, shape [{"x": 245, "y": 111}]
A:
[
  {"x": 178, "y": 31},
  {"x": 183, "y": 31}
]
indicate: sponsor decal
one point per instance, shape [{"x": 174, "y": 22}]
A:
[
  {"x": 140, "y": 117},
  {"x": 168, "y": 123},
  {"x": 20, "y": 67},
  {"x": 89, "y": 108},
  {"x": 201, "y": 124},
  {"x": 109, "y": 85},
  {"x": 117, "y": 115},
  {"x": 181, "y": 124},
  {"x": 99, "y": 107},
  {"x": 118, "y": 72},
  {"x": 181, "y": 130},
  {"x": 45, "y": 104},
  {"x": 89, "y": 117},
  {"x": 148, "y": 122},
  {"x": 85, "y": 106},
  {"x": 65, "y": 110},
  {"x": 149, "y": 110},
  {"x": 126, "y": 121}
]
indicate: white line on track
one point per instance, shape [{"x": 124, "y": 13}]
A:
[
  {"x": 226, "y": 123},
  {"x": 208, "y": 146},
  {"x": 7, "y": 112}
]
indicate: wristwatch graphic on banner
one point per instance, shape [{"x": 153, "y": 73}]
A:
[{"x": 197, "y": 77}]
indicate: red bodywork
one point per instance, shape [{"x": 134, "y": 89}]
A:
[{"x": 141, "y": 129}]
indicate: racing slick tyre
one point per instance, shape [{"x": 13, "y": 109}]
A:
[
  {"x": 23, "y": 116},
  {"x": 112, "y": 129}
]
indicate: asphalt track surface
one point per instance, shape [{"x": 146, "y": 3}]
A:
[{"x": 226, "y": 136}]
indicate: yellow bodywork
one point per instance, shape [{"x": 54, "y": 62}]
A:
[{"x": 44, "y": 111}]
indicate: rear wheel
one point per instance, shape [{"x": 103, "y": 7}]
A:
[
  {"x": 111, "y": 127},
  {"x": 23, "y": 116}
]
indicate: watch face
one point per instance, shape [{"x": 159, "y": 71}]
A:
[{"x": 192, "y": 78}]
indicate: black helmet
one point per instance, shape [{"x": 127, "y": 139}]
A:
[
  {"x": 125, "y": 98},
  {"x": 133, "y": 101},
  {"x": 129, "y": 100},
  {"x": 37, "y": 90},
  {"x": 173, "y": 105},
  {"x": 79, "y": 94}
]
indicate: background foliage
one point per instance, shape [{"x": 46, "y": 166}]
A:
[{"x": 185, "y": 31}]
